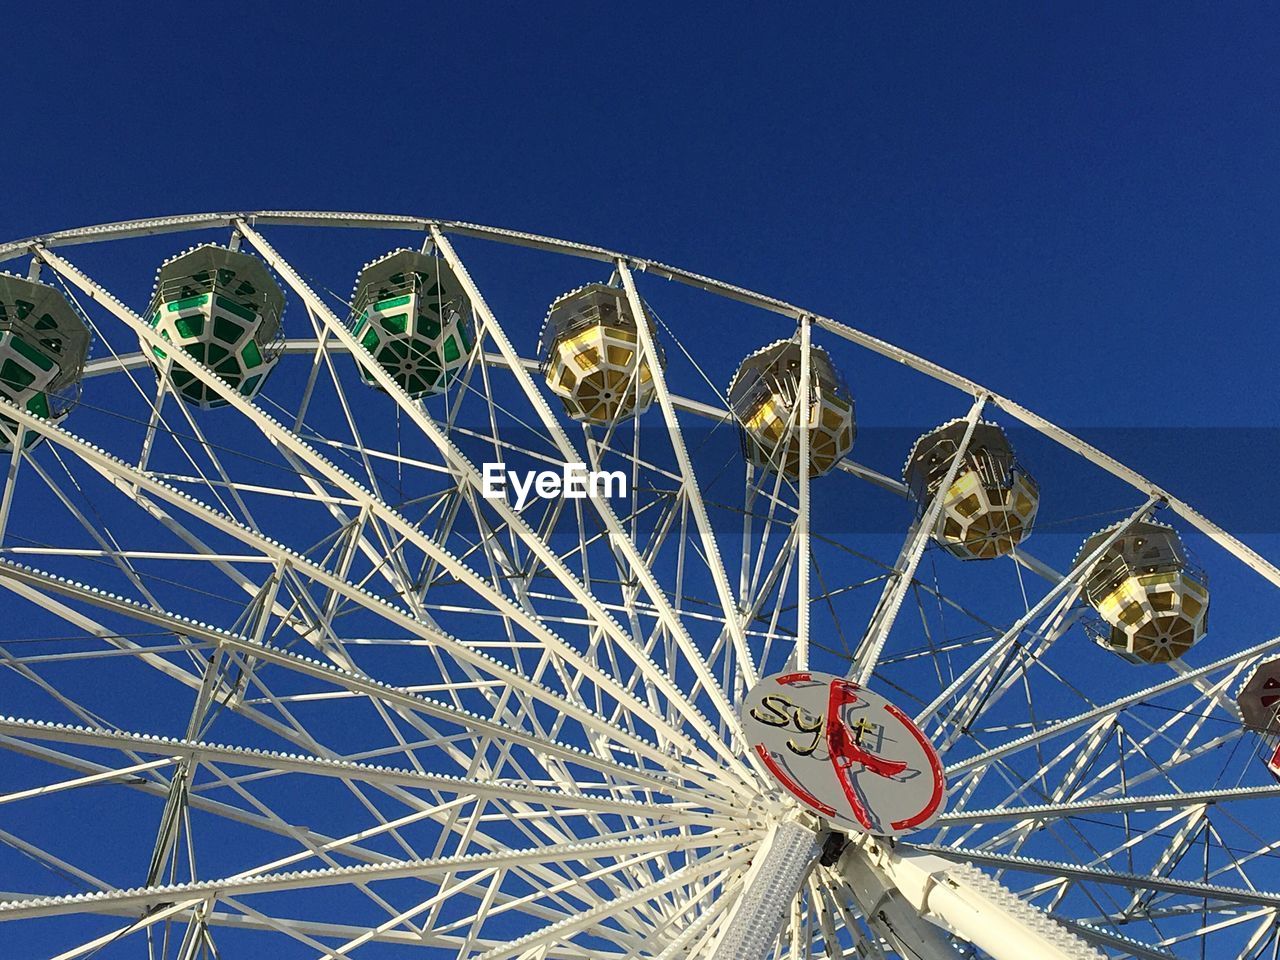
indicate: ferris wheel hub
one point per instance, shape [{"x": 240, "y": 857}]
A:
[{"x": 845, "y": 752}]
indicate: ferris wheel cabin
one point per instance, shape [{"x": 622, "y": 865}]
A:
[
  {"x": 591, "y": 355},
  {"x": 991, "y": 504},
  {"x": 412, "y": 315},
  {"x": 43, "y": 347},
  {"x": 223, "y": 308},
  {"x": 763, "y": 396},
  {"x": 1154, "y": 602},
  {"x": 1259, "y": 703}
]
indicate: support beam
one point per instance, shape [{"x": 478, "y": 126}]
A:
[
  {"x": 691, "y": 487},
  {"x": 1054, "y": 728},
  {"x": 619, "y": 538},
  {"x": 909, "y": 891},
  {"x": 210, "y": 891},
  {"x": 1128, "y": 804},
  {"x": 904, "y": 573},
  {"x": 171, "y": 749},
  {"x": 354, "y": 682},
  {"x": 1130, "y": 881},
  {"x": 778, "y": 869}
]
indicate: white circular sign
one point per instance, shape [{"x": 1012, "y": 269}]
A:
[{"x": 846, "y": 752}]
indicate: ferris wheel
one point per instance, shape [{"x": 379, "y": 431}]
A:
[{"x": 489, "y": 611}]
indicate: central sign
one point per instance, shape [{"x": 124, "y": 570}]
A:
[{"x": 848, "y": 753}]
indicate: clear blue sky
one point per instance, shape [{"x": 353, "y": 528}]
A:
[{"x": 1079, "y": 207}]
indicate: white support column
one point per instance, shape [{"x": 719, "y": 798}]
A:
[
  {"x": 778, "y": 869},
  {"x": 911, "y": 898}
]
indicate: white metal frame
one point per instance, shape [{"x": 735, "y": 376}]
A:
[{"x": 591, "y": 722}]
